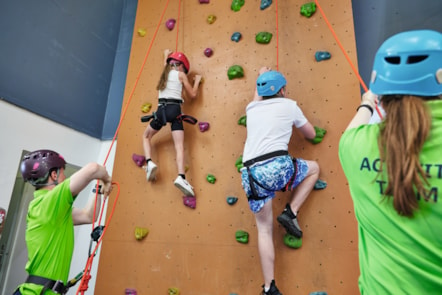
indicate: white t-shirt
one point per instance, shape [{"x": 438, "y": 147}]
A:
[
  {"x": 270, "y": 124},
  {"x": 174, "y": 87}
]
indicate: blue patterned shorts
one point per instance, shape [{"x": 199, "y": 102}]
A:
[{"x": 272, "y": 175}]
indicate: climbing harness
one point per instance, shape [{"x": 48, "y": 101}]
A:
[
  {"x": 57, "y": 287},
  {"x": 160, "y": 114},
  {"x": 253, "y": 181}
]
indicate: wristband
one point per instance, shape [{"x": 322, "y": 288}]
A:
[{"x": 365, "y": 106}]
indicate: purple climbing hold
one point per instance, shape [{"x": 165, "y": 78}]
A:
[
  {"x": 204, "y": 1},
  {"x": 189, "y": 201},
  {"x": 204, "y": 126},
  {"x": 139, "y": 160},
  {"x": 208, "y": 52},
  {"x": 170, "y": 24},
  {"x": 130, "y": 291}
]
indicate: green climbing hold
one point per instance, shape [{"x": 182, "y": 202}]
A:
[
  {"x": 237, "y": 4},
  {"x": 235, "y": 71},
  {"x": 211, "y": 178},
  {"x": 320, "y": 184},
  {"x": 239, "y": 164},
  {"x": 308, "y": 9},
  {"x": 320, "y": 133},
  {"x": 231, "y": 200},
  {"x": 242, "y": 236},
  {"x": 292, "y": 241},
  {"x": 243, "y": 120},
  {"x": 263, "y": 37}
]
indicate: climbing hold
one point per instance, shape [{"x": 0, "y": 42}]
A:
[
  {"x": 239, "y": 163},
  {"x": 139, "y": 160},
  {"x": 211, "y": 178},
  {"x": 292, "y": 241},
  {"x": 231, "y": 200},
  {"x": 145, "y": 108},
  {"x": 234, "y": 72},
  {"x": 236, "y": 36},
  {"x": 265, "y": 4},
  {"x": 141, "y": 233},
  {"x": 263, "y": 37},
  {"x": 320, "y": 133},
  {"x": 322, "y": 55},
  {"x": 189, "y": 201},
  {"x": 308, "y": 9},
  {"x": 174, "y": 291},
  {"x": 242, "y": 236},
  {"x": 211, "y": 19},
  {"x": 318, "y": 293},
  {"x": 237, "y": 4},
  {"x": 130, "y": 291},
  {"x": 170, "y": 24},
  {"x": 208, "y": 52},
  {"x": 243, "y": 120},
  {"x": 320, "y": 184},
  {"x": 204, "y": 126},
  {"x": 204, "y": 1},
  {"x": 141, "y": 32}
]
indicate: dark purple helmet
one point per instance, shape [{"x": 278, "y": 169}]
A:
[{"x": 35, "y": 166}]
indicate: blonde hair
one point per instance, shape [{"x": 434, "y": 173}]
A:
[
  {"x": 163, "y": 78},
  {"x": 402, "y": 135}
]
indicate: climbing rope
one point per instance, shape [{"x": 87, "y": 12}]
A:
[
  {"x": 177, "y": 25},
  {"x": 86, "y": 273},
  {"x": 277, "y": 37},
  {"x": 345, "y": 53}
]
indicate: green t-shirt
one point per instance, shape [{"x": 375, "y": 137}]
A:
[
  {"x": 49, "y": 236},
  {"x": 397, "y": 255}
]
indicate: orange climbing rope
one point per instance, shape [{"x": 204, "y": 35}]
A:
[
  {"x": 345, "y": 53},
  {"x": 277, "y": 37},
  {"x": 177, "y": 25},
  {"x": 86, "y": 273}
]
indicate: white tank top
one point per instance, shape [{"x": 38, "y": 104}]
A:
[{"x": 174, "y": 87}]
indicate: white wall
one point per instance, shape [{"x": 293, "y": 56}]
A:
[{"x": 22, "y": 130}]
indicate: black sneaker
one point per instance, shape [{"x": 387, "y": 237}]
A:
[
  {"x": 272, "y": 291},
  {"x": 288, "y": 220}
]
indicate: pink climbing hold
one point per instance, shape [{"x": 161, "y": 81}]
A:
[
  {"x": 204, "y": 1},
  {"x": 189, "y": 201},
  {"x": 204, "y": 126},
  {"x": 139, "y": 160},
  {"x": 208, "y": 52},
  {"x": 170, "y": 24},
  {"x": 130, "y": 291}
]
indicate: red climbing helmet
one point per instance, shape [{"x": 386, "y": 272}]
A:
[
  {"x": 35, "y": 166},
  {"x": 179, "y": 56}
]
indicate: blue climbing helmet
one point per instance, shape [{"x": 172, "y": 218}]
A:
[
  {"x": 269, "y": 83},
  {"x": 409, "y": 63}
]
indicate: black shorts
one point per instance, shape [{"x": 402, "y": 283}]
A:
[{"x": 168, "y": 113}]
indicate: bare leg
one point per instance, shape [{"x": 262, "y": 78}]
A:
[
  {"x": 178, "y": 139},
  {"x": 264, "y": 223},
  {"x": 149, "y": 132},
  {"x": 302, "y": 191}
]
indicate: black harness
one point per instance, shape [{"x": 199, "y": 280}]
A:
[
  {"x": 162, "y": 103},
  {"x": 253, "y": 181},
  {"x": 55, "y": 286}
]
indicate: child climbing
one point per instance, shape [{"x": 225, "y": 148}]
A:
[{"x": 170, "y": 87}]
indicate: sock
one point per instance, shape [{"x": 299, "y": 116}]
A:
[
  {"x": 266, "y": 289},
  {"x": 182, "y": 175}
]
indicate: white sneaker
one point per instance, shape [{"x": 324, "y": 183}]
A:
[
  {"x": 151, "y": 170},
  {"x": 184, "y": 186}
]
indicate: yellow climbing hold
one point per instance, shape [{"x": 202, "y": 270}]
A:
[
  {"x": 142, "y": 32},
  {"x": 141, "y": 233}
]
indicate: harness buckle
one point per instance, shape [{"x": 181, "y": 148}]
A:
[{"x": 59, "y": 287}]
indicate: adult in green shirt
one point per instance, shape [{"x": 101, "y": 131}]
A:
[
  {"x": 394, "y": 168},
  {"x": 51, "y": 218}
]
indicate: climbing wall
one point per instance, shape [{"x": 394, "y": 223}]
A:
[{"x": 195, "y": 250}]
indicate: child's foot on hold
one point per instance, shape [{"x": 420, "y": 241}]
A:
[
  {"x": 289, "y": 221},
  {"x": 272, "y": 291},
  {"x": 151, "y": 170},
  {"x": 184, "y": 186}
]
